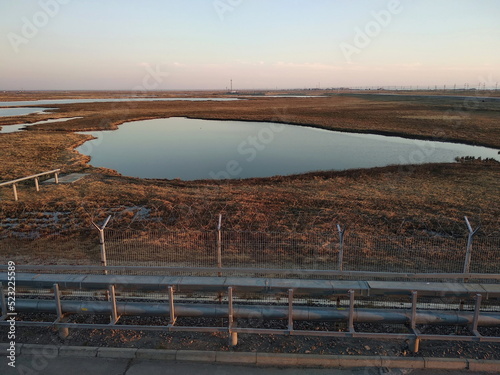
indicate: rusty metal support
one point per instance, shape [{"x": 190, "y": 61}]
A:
[
  {"x": 233, "y": 336},
  {"x": 171, "y": 305},
  {"x": 114, "y": 310},
  {"x": 290, "y": 310},
  {"x": 351, "y": 311},
  {"x": 63, "y": 331},
  {"x": 477, "y": 311},
  {"x": 414, "y": 343}
]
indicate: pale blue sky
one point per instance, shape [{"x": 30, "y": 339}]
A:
[{"x": 202, "y": 44}]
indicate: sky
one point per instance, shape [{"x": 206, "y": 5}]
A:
[{"x": 258, "y": 44}]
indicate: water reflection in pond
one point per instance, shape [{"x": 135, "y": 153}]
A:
[{"x": 199, "y": 149}]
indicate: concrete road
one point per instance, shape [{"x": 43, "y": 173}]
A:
[{"x": 36, "y": 365}]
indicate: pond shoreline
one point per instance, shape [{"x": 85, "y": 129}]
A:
[{"x": 195, "y": 149}]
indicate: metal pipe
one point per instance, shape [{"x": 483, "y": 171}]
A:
[
  {"x": 261, "y": 312},
  {"x": 29, "y": 177},
  {"x": 309, "y": 288},
  {"x": 263, "y": 331},
  {"x": 302, "y": 272}
]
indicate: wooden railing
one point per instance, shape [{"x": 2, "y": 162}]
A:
[{"x": 35, "y": 177}]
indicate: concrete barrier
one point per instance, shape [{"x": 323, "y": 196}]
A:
[{"x": 261, "y": 359}]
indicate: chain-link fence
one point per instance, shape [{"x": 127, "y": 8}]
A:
[
  {"x": 405, "y": 254},
  {"x": 301, "y": 251},
  {"x": 68, "y": 248},
  {"x": 258, "y": 250},
  {"x": 172, "y": 249}
]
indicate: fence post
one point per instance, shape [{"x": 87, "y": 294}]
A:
[
  {"x": 63, "y": 331},
  {"x": 102, "y": 244},
  {"x": 341, "y": 247},
  {"x": 15, "y": 192},
  {"x": 468, "y": 253},
  {"x": 233, "y": 336},
  {"x": 219, "y": 244}
]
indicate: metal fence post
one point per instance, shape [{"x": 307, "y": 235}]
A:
[
  {"x": 341, "y": 247},
  {"x": 233, "y": 336},
  {"x": 468, "y": 253},
  {"x": 102, "y": 244},
  {"x": 14, "y": 188},
  {"x": 219, "y": 244},
  {"x": 63, "y": 331}
]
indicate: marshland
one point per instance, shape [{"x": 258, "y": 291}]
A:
[{"x": 425, "y": 199}]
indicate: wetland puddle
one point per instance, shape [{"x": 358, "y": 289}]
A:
[
  {"x": 5, "y": 112},
  {"x": 192, "y": 149},
  {"x": 111, "y": 100},
  {"x": 18, "y": 127}
]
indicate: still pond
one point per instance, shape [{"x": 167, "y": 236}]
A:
[{"x": 192, "y": 149}]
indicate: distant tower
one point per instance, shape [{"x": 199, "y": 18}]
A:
[{"x": 231, "y": 84}]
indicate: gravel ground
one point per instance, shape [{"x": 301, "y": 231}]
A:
[{"x": 260, "y": 343}]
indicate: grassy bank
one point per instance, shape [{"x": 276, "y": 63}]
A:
[{"x": 418, "y": 200}]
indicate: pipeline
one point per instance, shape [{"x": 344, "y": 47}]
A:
[{"x": 265, "y": 312}]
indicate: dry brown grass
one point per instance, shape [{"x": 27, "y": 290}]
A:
[
  {"x": 387, "y": 200},
  {"x": 24, "y": 153},
  {"x": 419, "y": 200}
]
